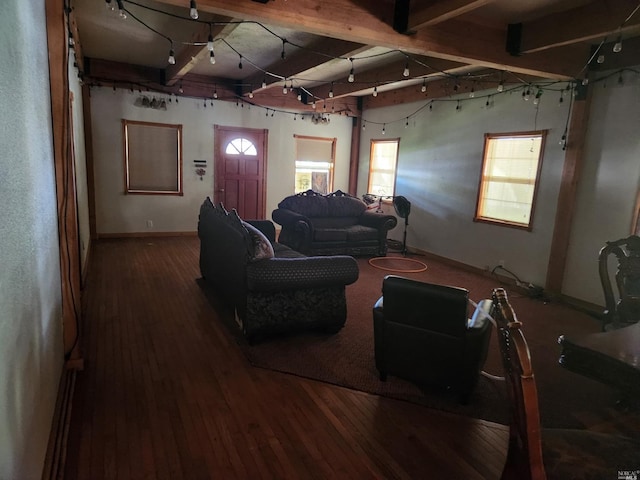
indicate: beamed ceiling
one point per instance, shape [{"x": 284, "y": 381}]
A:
[{"x": 447, "y": 45}]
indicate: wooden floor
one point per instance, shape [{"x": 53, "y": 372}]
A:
[{"x": 167, "y": 394}]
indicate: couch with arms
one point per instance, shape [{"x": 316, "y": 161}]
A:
[
  {"x": 337, "y": 223},
  {"x": 272, "y": 287}
]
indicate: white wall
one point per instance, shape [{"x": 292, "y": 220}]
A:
[
  {"x": 80, "y": 162},
  {"x": 31, "y": 356},
  {"x": 119, "y": 213},
  {"x": 439, "y": 167},
  {"x": 609, "y": 183}
]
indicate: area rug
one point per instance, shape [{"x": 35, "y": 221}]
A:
[{"x": 347, "y": 358}]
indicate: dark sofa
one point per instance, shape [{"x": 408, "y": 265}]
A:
[
  {"x": 272, "y": 287},
  {"x": 337, "y": 223}
]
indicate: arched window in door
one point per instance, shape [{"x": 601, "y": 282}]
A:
[{"x": 241, "y": 145}]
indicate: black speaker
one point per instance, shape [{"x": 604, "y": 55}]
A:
[{"x": 514, "y": 39}]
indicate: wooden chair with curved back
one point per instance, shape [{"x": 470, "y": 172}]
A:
[
  {"x": 535, "y": 453},
  {"x": 622, "y": 308}
]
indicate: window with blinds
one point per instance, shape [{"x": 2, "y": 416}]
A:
[
  {"x": 382, "y": 167},
  {"x": 315, "y": 158},
  {"x": 152, "y": 158},
  {"x": 509, "y": 179}
]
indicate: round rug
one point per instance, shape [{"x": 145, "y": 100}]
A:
[{"x": 389, "y": 264}]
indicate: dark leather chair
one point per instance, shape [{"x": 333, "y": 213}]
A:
[
  {"x": 422, "y": 334},
  {"x": 622, "y": 308}
]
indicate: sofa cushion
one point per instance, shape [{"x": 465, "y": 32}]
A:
[
  {"x": 357, "y": 233},
  {"x": 308, "y": 204},
  {"x": 333, "y": 222},
  {"x": 345, "y": 206},
  {"x": 330, "y": 235},
  {"x": 262, "y": 247}
]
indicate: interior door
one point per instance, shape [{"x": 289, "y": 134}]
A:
[{"x": 240, "y": 166}]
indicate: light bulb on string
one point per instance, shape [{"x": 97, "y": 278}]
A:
[
  {"x": 121, "y": 11},
  {"x": 109, "y": 5},
  {"x": 617, "y": 47},
  {"x": 364, "y": 125},
  {"x": 313, "y": 105},
  {"x": 458, "y": 106},
  {"x": 561, "y": 98},
  {"x": 251, "y": 93},
  {"x": 331, "y": 91},
  {"x": 423, "y": 88},
  {"x": 384, "y": 129},
  {"x": 375, "y": 91},
  {"x": 406, "y": 123},
  {"x": 351, "y": 77},
  {"x": 299, "y": 96},
  {"x": 500, "y": 87},
  {"x": 240, "y": 63},
  {"x": 284, "y": 87},
  {"x": 585, "y": 81},
  {"x": 431, "y": 106},
  {"x": 210, "y": 41},
  {"x": 472, "y": 93},
  {"x": 283, "y": 53},
  {"x": 405, "y": 72},
  {"x": 264, "y": 82},
  {"x": 536, "y": 100},
  {"x": 215, "y": 93},
  {"x": 193, "y": 10},
  {"x": 172, "y": 58},
  {"x": 212, "y": 58},
  {"x": 600, "y": 59},
  {"x": 180, "y": 89}
]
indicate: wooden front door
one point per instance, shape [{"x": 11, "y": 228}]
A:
[{"x": 240, "y": 167}]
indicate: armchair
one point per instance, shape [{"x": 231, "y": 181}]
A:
[{"x": 422, "y": 334}]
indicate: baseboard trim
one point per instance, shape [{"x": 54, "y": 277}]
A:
[
  {"x": 146, "y": 234},
  {"x": 57, "y": 448},
  {"x": 581, "y": 305}
]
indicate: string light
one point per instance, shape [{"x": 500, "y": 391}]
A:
[
  {"x": 283, "y": 53},
  {"x": 617, "y": 47},
  {"x": 384, "y": 128},
  {"x": 423, "y": 89},
  {"x": 458, "y": 106},
  {"x": 406, "y": 123},
  {"x": 251, "y": 93},
  {"x": 210, "y": 40},
  {"x": 331, "y": 91},
  {"x": 215, "y": 92},
  {"x": 212, "y": 58},
  {"x": 109, "y": 5},
  {"x": 375, "y": 91},
  {"x": 193, "y": 11},
  {"x": 405, "y": 72},
  {"x": 472, "y": 93},
  {"x": 264, "y": 82},
  {"x": 351, "y": 77},
  {"x": 240, "y": 63},
  {"x": 121, "y": 11},
  {"x": 600, "y": 58},
  {"x": 172, "y": 58},
  {"x": 364, "y": 125},
  {"x": 284, "y": 87},
  {"x": 536, "y": 100},
  {"x": 180, "y": 89},
  {"x": 500, "y": 88}
]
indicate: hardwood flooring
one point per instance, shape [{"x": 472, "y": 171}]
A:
[{"x": 167, "y": 394}]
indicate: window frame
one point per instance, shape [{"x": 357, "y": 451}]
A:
[
  {"x": 134, "y": 190},
  {"x": 395, "y": 169},
  {"x": 536, "y": 184},
  {"x": 332, "y": 161}
]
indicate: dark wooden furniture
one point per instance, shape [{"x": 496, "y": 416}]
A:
[
  {"x": 535, "y": 453},
  {"x": 611, "y": 357},
  {"x": 622, "y": 308}
]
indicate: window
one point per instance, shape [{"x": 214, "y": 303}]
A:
[
  {"x": 152, "y": 158},
  {"x": 382, "y": 167},
  {"x": 315, "y": 158},
  {"x": 241, "y": 145},
  {"x": 509, "y": 180}
]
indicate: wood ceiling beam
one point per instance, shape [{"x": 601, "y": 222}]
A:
[
  {"x": 596, "y": 20},
  {"x": 191, "y": 55},
  {"x": 436, "y": 12},
  {"x": 370, "y": 24},
  {"x": 298, "y": 63},
  {"x": 389, "y": 73}
]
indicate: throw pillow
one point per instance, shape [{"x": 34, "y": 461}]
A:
[{"x": 262, "y": 247}]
